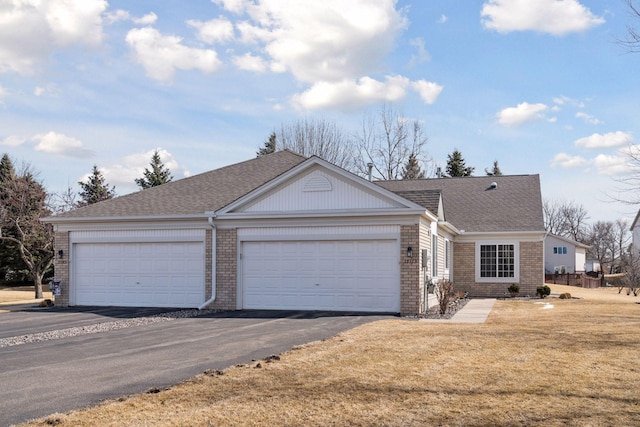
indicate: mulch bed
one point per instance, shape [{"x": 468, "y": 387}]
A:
[{"x": 434, "y": 312}]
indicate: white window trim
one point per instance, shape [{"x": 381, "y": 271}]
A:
[{"x": 516, "y": 273}]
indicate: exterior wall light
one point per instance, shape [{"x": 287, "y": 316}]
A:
[
  {"x": 60, "y": 254},
  {"x": 409, "y": 252}
]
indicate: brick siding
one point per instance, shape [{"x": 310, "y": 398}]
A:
[
  {"x": 61, "y": 268},
  {"x": 410, "y": 274},
  {"x": 227, "y": 269},
  {"x": 531, "y": 271}
]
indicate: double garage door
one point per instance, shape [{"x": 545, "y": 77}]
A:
[
  {"x": 321, "y": 275},
  {"x": 361, "y": 275},
  {"x": 160, "y": 274}
]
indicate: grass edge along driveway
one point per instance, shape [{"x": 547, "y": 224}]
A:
[{"x": 551, "y": 362}]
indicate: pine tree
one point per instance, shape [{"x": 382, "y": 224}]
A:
[
  {"x": 494, "y": 171},
  {"x": 456, "y": 165},
  {"x": 269, "y": 146},
  {"x": 9, "y": 261},
  {"x": 412, "y": 169},
  {"x": 95, "y": 189},
  {"x": 158, "y": 175}
]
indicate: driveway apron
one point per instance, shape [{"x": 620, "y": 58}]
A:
[{"x": 58, "y": 375}]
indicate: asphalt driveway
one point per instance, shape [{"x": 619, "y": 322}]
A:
[{"x": 62, "y": 374}]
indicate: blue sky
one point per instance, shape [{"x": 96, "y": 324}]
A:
[{"x": 541, "y": 86}]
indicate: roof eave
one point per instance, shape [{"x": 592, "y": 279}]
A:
[{"x": 128, "y": 218}]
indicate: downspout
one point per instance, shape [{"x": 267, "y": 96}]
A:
[{"x": 213, "y": 262}]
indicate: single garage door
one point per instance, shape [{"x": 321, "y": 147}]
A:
[
  {"x": 139, "y": 274},
  {"x": 321, "y": 275}
]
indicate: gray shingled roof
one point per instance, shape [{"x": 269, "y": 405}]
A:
[
  {"x": 209, "y": 191},
  {"x": 429, "y": 199},
  {"x": 471, "y": 204}
]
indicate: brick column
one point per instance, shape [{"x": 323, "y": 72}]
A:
[
  {"x": 61, "y": 268},
  {"x": 226, "y": 269},
  {"x": 410, "y": 296}
]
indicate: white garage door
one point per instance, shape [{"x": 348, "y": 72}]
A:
[
  {"x": 139, "y": 274},
  {"x": 321, "y": 275}
]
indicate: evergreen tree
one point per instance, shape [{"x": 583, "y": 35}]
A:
[
  {"x": 158, "y": 175},
  {"x": 9, "y": 259},
  {"x": 494, "y": 171},
  {"x": 412, "y": 169},
  {"x": 269, "y": 146},
  {"x": 456, "y": 165},
  {"x": 7, "y": 171},
  {"x": 95, "y": 189}
]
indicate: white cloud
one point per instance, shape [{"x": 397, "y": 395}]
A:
[
  {"x": 329, "y": 40},
  {"x": 557, "y": 17},
  {"x": 213, "y": 31},
  {"x": 614, "y": 164},
  {"x": 49, "y": 90},
  {"x": 443, "y": 19},
  {"x": 428, "y": 91},
  {"x": 350, "y": 94},
  {"x": 147, "y": 19},
  {"x": 161, "y": 55},
  {"x": 13, "y": 141},
  {"x": 522, "y": 113},
  {"x": 607, "y": 140},
  {"x": 124, "y": 173},
  {"x": 588, "y": 118},
  {"x": 421, "y": 55},
  {"x": 62, "y": 145},
  {"x": 235, "y": 6},
  {"x": 567, "y": 162},
  {"x": 3, "y": 93},
  {"x": 249, "y": 62},
  {"x": 123, "y": 15},
  {"x": 30, "y": 30}
]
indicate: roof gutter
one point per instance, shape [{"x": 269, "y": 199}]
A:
[{"x": 211, "y": 216}]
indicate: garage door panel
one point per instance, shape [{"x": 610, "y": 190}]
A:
[
  {"x": 139, "y": 274},
  {"x": 321, "y": 275}
]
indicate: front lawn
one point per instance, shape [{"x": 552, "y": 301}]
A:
[{"x": 533, "y": 363}]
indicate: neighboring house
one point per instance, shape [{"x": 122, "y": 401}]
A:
[
  {"x": 635, "y": 233},
  {"x": 287, "y": 232},
  {"x": 563, "y": 255}
]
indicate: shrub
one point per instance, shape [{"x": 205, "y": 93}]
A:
[
  {"x": 514, "y": 289},
  {"x": 443, "y": 290},
  {"x": 543, "y": 291}
]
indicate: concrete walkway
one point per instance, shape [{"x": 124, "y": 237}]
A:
[{"x": 475, "y": 311}]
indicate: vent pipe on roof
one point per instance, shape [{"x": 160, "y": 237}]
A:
[
  {"x": 370, "y": 166},
  {"x": 494, "y": 185}
]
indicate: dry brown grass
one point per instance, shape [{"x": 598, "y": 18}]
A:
[
  {"x": 574, "y": 364},
  {"x": 12, "y": 294}
]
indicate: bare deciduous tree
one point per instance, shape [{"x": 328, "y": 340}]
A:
[
  {"x": 386, "y": 141},
  {"x": 63, "y": 202},
  {"x": 23, "y": 204},
  {"x": 566, "y": 219},
  {"x": 317, "y": 137},
  {"x": 603, "y": 243},
  {"x": 631, "y": 277},
  {"x": 632, "y": 40}
]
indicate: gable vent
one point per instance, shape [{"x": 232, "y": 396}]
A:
[{"x": 317, "y": 183}]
